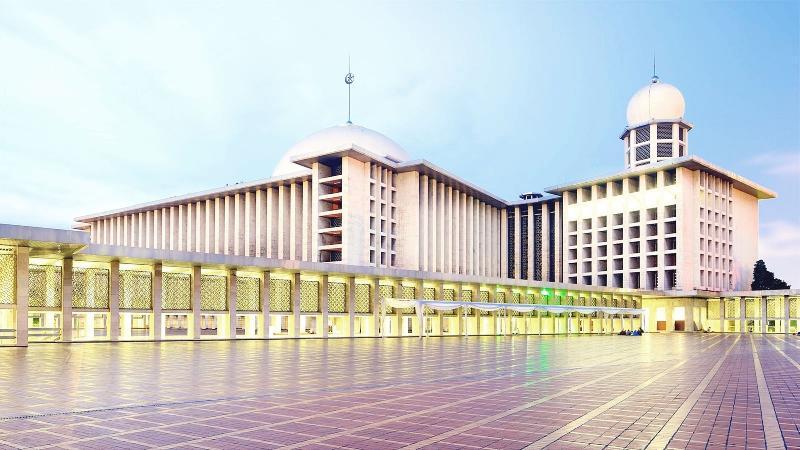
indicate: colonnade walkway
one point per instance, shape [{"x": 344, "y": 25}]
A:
[{"x": 655, "y": 391}]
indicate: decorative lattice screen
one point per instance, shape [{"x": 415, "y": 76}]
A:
[
  {"x": 794, "y": 307},
  {"x": 643, "y": 134},
  {"x": 429, "y": 293},
  {"x": 176, "y": 292},
  {"x": 309, "y": 296},
  {"x": 363, "y": 304},
  {"x": 135, "y": 289},
  {"x": 44, "y": 286},
  {"x": 664, "y": 131},
  {"x": 643, "y": 152},
  {"x": 664, "y": 150},
  {"x": 90, "y": 288},
  {"x": 466, "y": 296},
  {"x": 386, "y": 291},
  {"x": 449, "y": 295},
  {"x": 337, "y": 297},
  {"x": 483, "y": 296},
  {"x": 8, "y": 275},
  {"x": 732, "y": 309},
  {"x": 408, "y": 293},
  {"x": 213, "y": 293},
  {"x": 752, "y": 308},
  {"x": 248, "y": 294},
  {"x": 774, "y": 307},
  {"x": 713, "y": 309},
  {"x": 280, "y": 295},
  {"x": 500, "y": 297}
]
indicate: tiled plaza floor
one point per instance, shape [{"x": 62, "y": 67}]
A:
[{"x": 692, "y": 391}]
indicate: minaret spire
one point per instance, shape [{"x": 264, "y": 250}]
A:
[
  {"x": 655, "y": 77},
  {"x": 349, "y": 78}
]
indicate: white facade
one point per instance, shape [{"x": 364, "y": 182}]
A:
[{"x": 351, "y": 195}]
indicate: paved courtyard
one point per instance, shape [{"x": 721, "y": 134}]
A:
[{"x": 662, "y": 391}]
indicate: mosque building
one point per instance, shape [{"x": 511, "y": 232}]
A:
[{"x": 352, "y": 237}]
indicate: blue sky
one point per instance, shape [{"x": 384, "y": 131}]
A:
[{"x": 106, "y": 104}]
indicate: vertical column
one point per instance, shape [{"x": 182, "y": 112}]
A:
[
  {"x": 260, "y": 223},
  {"x": 764, "y": 314},
  {"x": 351, "y": 304},
  {"x": 462, "y": 320},
  {"x": 158, "y": 286},
  {"x": 296, "y": 304},
  {"x": 786, "y": 300},
  {"x": 742, "y": 314},
  {"x": 23, "y": 269},
  {"x": 265, "y": 303},
  {"x": 232, "y": 294},
  {"x": 66, "y": 300},
  {"x": 196, "y": 280},
  {"x": 323, "y": 303},
  {"x": 517, "y": 242},
  {"x": 546, "y": 242},
  {"x": 113, "y": 301},
  {"x": 376, "y": 307},
  {"x": 722, "y": 314}
]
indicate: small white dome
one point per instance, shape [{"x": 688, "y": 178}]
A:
[
  {"x": 656, "y": 101},
  {"x": 339, "y": 137}
]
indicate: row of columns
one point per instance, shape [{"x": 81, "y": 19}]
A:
[{"x": 763, "y": 318}]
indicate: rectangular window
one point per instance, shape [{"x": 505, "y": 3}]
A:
[
  {"x": 643, "y": 134},
  {"x": 664, "y": 131}
]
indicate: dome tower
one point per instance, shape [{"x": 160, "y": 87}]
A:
[{"x": 656, "y": 129}]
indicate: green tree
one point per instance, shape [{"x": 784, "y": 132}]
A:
[{"x": 764, "y": 280}]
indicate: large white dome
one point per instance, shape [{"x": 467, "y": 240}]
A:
[
  {"x": 339, "y": 137},
  {"x": 656, "y": 101}
]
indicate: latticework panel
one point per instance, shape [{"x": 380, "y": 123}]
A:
[
  {"x": 500, "y": 297},
  {"x": 8, "y": 275},
  {"x": 44, "y": 289},
  {"x": 466, "y": 296},
  {"x": 213, "y": 293},
  {"x": 774, "y": 307},
  {"x": 248, "y": 294},
  {"x": 516, "y": 298},
  {"x": 408, "y": 293},
  {"x": 280, "y": 295},
  {"x": 429, "y": 293},
  {"x": 386, "y": 291},
  {"x": 483, "y": 296},
  {"x": 732, "y": 308},
  {"x": 135, "y": 289},
  {"x": 713, "y": 309},
  {"x": 309, "y": 296},
  {"x": 449, "y": 295},
  {"x": 752, "y": 308},
  {"x": 794, "y": 307},
  {"x": 89, "y": 288},
  {"x": 176, "y": 293},
  {"x": 337, "y": 297},
  {"x": 363, "y": 304}
]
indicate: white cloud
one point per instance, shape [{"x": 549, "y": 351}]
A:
[
  {"x": 779, "y": 163},
  {"x": 779, "y": 247}
]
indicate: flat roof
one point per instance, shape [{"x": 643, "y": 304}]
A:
[
  {"x": 236, "y": 188},
  {"x": 44, "y": 241},
  {"x": 691, "y": 162}
]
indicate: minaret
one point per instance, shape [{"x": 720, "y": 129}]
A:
[{"x": 656, "y": 129}]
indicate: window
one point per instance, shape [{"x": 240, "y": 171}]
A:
[
  {"x": 643, "y": 152},
  {"x": 664, "y": 131},
  {"x": 664, "y": 150},
  {"x": 643, "y": 134}
]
